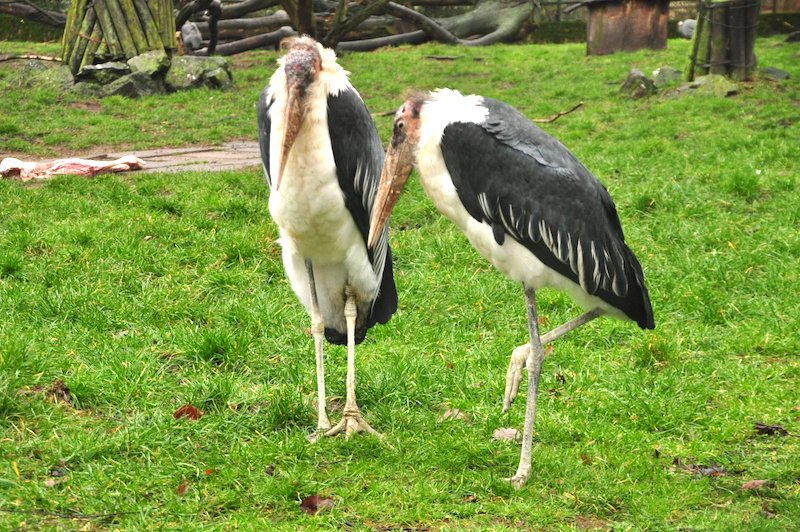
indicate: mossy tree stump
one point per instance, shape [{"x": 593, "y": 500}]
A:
[
  {"x": 724, "y": 39},
  {"x": 99, "y": 31}
]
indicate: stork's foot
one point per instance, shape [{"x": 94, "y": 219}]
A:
[
  {"x": 323, "y": 426},
  {"x": 351, "y": 423},
  {"x": 519, "y": 480},
  {"x": 514, "y": 374}
]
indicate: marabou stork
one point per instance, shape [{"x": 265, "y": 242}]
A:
[
  {"x": 527, "y": 205},
  {"x": 322, "y": 158}
]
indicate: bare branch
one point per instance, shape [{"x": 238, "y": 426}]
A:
[{"x": 557, "y": 115}]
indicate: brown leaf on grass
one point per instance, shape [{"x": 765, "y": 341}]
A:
[
  {"x": 453, "y": 414},
  {"x": 585, "y": 459},
  {"x": 59, "y": 392},
  {"x": 506, "y": 434},
  {"x": 270, "y": 470},
  {"x": 712, "y": 470},
  {"x": 183, "y": 487},
  {"x": 315, "y": 503},
  {"x": 548, "y": 350},
  {"x": 583, "y": 522},
  {"x": 770, "y": 430},
  {"x": 470, "y": 497},
  {"x": 50, "y": 482},
  {"x": 188, "y": 410},
  {"x": 755, "y": 484}
]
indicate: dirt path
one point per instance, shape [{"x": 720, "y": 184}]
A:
[{"x": 229, "y": 156}]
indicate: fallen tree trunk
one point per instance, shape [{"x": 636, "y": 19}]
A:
[{"x": 33, "y": 12}]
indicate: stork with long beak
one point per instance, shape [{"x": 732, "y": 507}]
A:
[
  {"x": 527, "y": 205},
  {"x": 322, "y": 158}
]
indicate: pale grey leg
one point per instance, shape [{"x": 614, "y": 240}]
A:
[
  {"x": 522, "y": 353},
  {"x": 318, "y": 331},
  {"x": 534, "y": 369},
  {"x": 351, "y": 416}
]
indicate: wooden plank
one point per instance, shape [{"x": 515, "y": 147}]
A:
[
  {"x": 718, "y": 39},
  {"x": 134, "y": 25},
  {"x": 75, "y": 15},
  {"x": 162, "y": 12},
  {"x": 92, "y": 46},
  {"x": 109, "y": 33},
  {"x": 149, "y": 25},
  {"x": 121, "y": 28},
  {"x": 736, "y": 38},
  {"x": 82, "y": 41}
]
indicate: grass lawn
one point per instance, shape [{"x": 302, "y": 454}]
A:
[{"x": 145, "y": 292}]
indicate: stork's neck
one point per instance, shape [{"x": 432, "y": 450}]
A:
[{"x": 447, "y": 106}]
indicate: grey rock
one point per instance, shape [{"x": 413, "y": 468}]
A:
[
  {"x": 190, "y": 71},
  {"x": 151, "y": 63},
  {"x": 715, "y": 85},
  {"x": 775, "y": 73},
  {"x": 44, "y": 74},
  {"x": 637, "y": 85},
  {"x": 665, "y": 76},
  {"x": 191, "y": 37},
  {"x": 219, "y": 78},
  {"x": 133, "y": 86},
  {"x": 87, "y": 89},
  {"x": 103, "y": 73},
  {"x": 686, "y": 28}
]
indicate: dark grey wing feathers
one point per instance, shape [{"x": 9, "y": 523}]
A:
[
  {"x": 358, "y": 153},
  {"x": 544, "y": 198},
  {"x": 264, "y": 125}
]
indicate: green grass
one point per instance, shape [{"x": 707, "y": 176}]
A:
[{"x": 143, "y": 292}]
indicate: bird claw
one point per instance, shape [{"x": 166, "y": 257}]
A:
[
  {"x": 519, "y": 480},
  {"x": 351, "y": 423},
  {"x": 519, "y": 357}
]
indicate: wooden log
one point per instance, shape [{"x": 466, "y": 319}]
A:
[
  {"x": 121, "y": 28},
  {"x": 718, "y": 38},
  {"x": 134, "y": 25},
  {"x": 165, "y": 19},
  {"x": 736, "y": 36},
  {"x": 75, "y": 15},
  {"x": 92, "y": 46},
  {"x": 751, "y": 18},
  {"x": 109, "y": 32},
  {"x": 702, "y": 36},
  {"x": 87, "y": 26},
  {"x": 149, "y": 25}
]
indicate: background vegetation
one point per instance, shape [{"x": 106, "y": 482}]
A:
[{"x": 124, "y": 297}]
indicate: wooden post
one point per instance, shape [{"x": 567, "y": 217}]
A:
[
  {"x": 724, "y": 38},
  {"x": 718, "y": 56}
]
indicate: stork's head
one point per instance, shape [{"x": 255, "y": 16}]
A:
[
  {"x": 302, "y": 65},
  {"x": 400, "y": 159}
]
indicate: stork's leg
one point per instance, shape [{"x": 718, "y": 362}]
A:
[
  {"x": 535, "y": 359},
  {"x": 351, "y": 416},
  {"x": 521, "y": 354},
  {"x": 318, "y": 332}
]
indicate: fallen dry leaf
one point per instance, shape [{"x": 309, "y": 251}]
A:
[
  {"x": 50, "y": 482},
  {"x": 59, "y": 392},
  {"x": 183, "y": 487},
  {"x": 452, "y": 414},
  {"x": 585, "y": 459},
  {"x": 315, "y": 503},
  {"x": 712, "y": 470},
  {"x": 770, "y": 430},
  {"x": 270, "y": 470},
  {"x": 755, "y": 484},
  {"x": 188, "y": 410},
  {"x": 471, "y": 497},
  {"x": 506, "y": 434}
]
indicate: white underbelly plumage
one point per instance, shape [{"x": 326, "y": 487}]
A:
[
  {"x": 511, "y": 258},
  {"x": 316, "y": 226}
]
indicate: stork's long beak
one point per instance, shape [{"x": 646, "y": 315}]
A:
[
  {"x": 293, "y": 115},
  {"x": 396, "y": 168}
]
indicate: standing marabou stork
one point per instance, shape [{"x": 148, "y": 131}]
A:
[
  {"x": 322, "y": 158},
  {"x": 527, "y": 205}
]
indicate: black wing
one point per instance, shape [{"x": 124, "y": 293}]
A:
[
  {"x": 264, "y": 124},
  {"x": 525, "y": 184},
  {"x": 358, "y": 153}
]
